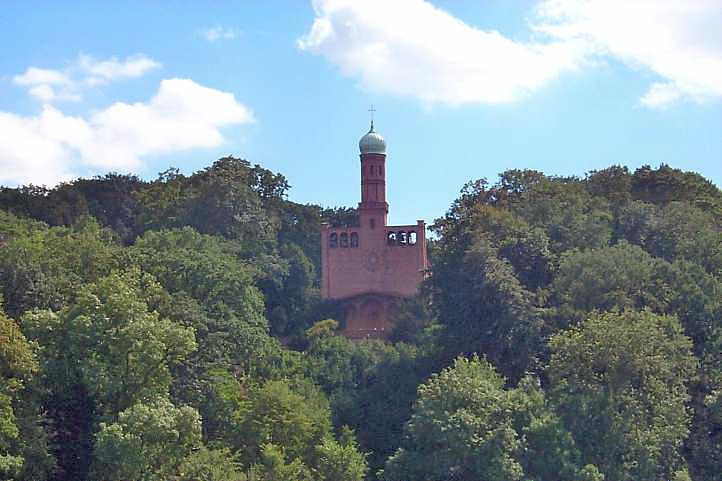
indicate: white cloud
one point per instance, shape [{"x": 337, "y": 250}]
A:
[
  {"x": 414, "y": 48},
  {"x": 27, "y": 155},
  {"x": 49, "y": 147},
  {"x": 103, "y": 71},
  {"x": 36, "y": 76},
  {"x": 218, "y": 32},
  {"x": 48, "y": 85},
  {"x": 680, "y": 41},
  {"x": 661, "y": 95}
]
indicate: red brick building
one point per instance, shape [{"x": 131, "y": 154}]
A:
[{"x": 370, "y": 267}]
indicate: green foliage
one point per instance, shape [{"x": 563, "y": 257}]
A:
[
  {"x": 340, "y": 217},
  {"x": 484, "y": 309},
  {"x": 617, "y": 276},
  {"x": 226, "y": 199},
  {"x": 102, "y": 354},
  {"x": 282, "y": 430},
  {"x": 111, "y": 342},
  {"x": 204, "y": 267},
  {"x": 619, "y": 381},
  {"x": 340, "y": 460},
  {"x": 465, "y": 425},
  {"x": 273, "y": 413},
  {"x": 357, "y": 378},
  {"x": 148, "y": 442},
  {"x": 570, "y": 215},
  {"x": 291, "y": 292},
  {"x": 17, "y": 365},
  {"x": 274, "y": 466},
  {"x": 195, "y": 296},
  {"x": 613, "y": 183},
  {"x": 42, "y": 267},
  {"x": 324, "y": 328},
  {"x": 207, "y": 464},
  {"x": 667, "y": 185}
]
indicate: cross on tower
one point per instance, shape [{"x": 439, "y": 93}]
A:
[{"x": 372, "y": 110}]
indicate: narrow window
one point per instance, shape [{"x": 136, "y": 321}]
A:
[
  {"x": 344, "y": 239},
  {"x": 372, "y": 223},
  {"x": 333, "y": 241},
  {"x": 401, "y": 238},
  {"x": 411, "y": 238},
  {"x": 372, "y": 170},
  {"x": 354, "y": 239},
  {"x": 391, "y": 238}
]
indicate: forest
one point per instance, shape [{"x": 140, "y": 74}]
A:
[{"x": 570, "y": 329}]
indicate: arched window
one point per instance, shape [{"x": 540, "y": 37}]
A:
[
  {"x": 381, "y": 170},
  {"x": 333, "y": 241},
  {"x": 372, "y": 223},
  {"x": 344, "y": 239},
  {"x": 372, "y": 170},
  {"x": 354, "y": 239},
  {"x": 391, "y": 238},
  {"x": 411, "y": 238},
  {"x": 401, "y": 238}
]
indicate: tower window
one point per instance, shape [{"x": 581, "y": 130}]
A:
[
  {"x": 372, "y": 170},
  {"x": 372, "y": 223},
  {"x": 354, "y": 239},
  {"x": 411, "y": 238},
  {"x": 333, "y": 241},
  {"x": 401, "y": 238},
  {"x": 344, "y": 239},
  {"x": 391, "y": 238}
]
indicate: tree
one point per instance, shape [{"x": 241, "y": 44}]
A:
[
  {"x": 207, "y": 464},
  {"x": 272, "y": 413},
  {"x": 619, "y": 381},
  {"x": 614, "y": 183},
  {"x": 666, "y": 184},
  {"x": 148, "y": 442},
  {"x": 570, "y": 215},
  {"x": 205, "y": 267},
  {"x": 42, "y": 267},
  {"x": 357, "y": 377},
  {"x": 484, "y": 309},
  {"x": 104, "y": 353},
  {"x": 23, "y": 452},
  {"x": 340, "y": 216},
  {"x": 621, "y": 276},
  {"x": 340, "y": 459},
  {"x": 275, "y": 467},
  {"x": 291, "y": 293},
  {"x": 121, "y": 350},
  {"x": 465, "y": 425}
]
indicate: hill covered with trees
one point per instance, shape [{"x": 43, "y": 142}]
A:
[{"x": 570, "y": 330}]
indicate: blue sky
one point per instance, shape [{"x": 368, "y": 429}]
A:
[{"x": 462, "y": 90}]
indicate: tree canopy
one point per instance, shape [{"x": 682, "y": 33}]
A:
[{"x": 172, "y": 329}]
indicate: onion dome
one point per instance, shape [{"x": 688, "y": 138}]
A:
[{"x": 372, "y": 142}]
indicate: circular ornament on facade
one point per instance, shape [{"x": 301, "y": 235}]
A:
[{"x": 373, "y": 261}]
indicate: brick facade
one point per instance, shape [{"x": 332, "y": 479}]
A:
[{"x": 371, "y": 266}]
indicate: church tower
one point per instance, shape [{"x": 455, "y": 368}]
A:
[
  {"x": 370, "y": 267},
  {"x": 373, "y": 208}
]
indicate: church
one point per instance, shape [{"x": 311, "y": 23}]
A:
[{"x": 371, "y": 267}]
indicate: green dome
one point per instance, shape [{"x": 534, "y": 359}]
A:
[{"x": 372, "y": 143}]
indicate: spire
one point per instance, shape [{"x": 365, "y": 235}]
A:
[{"x": 372, "y": 110}]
